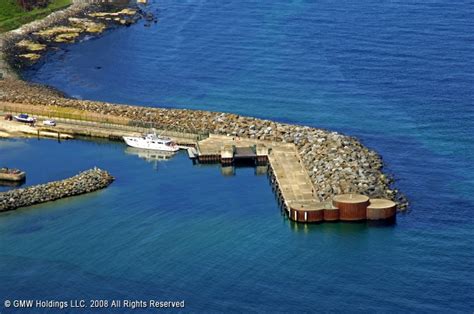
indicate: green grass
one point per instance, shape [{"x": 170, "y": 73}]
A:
[{"x": 13, "y": 16}]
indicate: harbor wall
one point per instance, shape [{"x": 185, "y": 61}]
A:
[
  {"x": 336, "y": 163},
  {"x": 85, "y": 182}
]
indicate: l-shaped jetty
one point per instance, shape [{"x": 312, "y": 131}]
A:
[{"x": 317, "y": 175}]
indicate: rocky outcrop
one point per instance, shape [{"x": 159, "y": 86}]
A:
[
  {"x": 25, "y": 45},
  {"x": 10, "y": 53},
  {"x": 336, "y": 163},
  {"x": 53, "y": 19},
  {"x": 6, "y": 71},
  {"x": 85, "y": 182}
]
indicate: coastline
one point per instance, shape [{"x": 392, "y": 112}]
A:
[
  {"x": 336, "y": 163},
  {"x": 26, "y": 45},
  {"x": 6, "y": 71},
  {"x": 10, "y": 37}
]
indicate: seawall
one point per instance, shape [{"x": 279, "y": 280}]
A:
[
  {"x": 85, "y": 182},
  {"x": 336, "y": 163}
]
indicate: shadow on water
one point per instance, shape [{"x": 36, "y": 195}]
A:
[
  {"x": 339, "y": 227},
  {"x": 13, "y": 184},
  {"x": 28, "y": 229},
  {"x": 232, "y": 169}
]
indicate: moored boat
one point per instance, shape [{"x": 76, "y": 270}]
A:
[
  {"x": 151, "y": 141},
  {"x": 16, "y": 175}
]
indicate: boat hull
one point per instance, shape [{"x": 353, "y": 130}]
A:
[
  {"x": 143, "y": 144},
  {"x": 13, "y": 177}
]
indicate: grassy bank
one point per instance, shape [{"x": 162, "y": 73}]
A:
[{"x": 13, "y": 16}]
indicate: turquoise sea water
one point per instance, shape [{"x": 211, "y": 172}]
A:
[{"x": 397, "y": 74}]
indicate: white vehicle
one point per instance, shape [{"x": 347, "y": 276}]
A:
[
  {"x": 49, "y": 122},
  {"x": 151, "y": 141}
]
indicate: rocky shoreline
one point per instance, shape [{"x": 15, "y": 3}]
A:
[
  {"x": 85, "y": 182},
  {"x": 26, "y": 45}
]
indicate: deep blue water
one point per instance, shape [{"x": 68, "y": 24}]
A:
[{"x": 397, "y": 74}]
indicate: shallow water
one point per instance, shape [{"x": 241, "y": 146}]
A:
[{"x": 398, "y": 75}]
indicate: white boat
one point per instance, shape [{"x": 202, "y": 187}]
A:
[
  {"x": 151, "y": 141},
  {"x": 24, "y": 118}
]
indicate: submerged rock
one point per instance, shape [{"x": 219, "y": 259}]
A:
[
  {"x": 58, "y": 30},
  {"x": 87, "y": 25},
  {"x": 127, "y": 11},
  {"x": 66, "y": 38},
  {"x": 23, "y": 46},
  {"x": 30, "y": 45},
  {"x": 30, "y": 56}
]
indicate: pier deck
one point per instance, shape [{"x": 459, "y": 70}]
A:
[
  {"x": 214, "y": 143},
  {"x": 288, "y": 175},
  {"x": 292, "y": 180}
]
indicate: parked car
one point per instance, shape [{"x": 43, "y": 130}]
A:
[{"x": 49, "y": 122}]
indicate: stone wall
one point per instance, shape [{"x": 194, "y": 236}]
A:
[
  {"x": 336, "y": 163},
  {"x": 85, "y": 182}
]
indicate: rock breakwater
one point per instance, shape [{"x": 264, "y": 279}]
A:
[
  {"x": 85, "y": 182},
  {"x": 336, "y": 163}
]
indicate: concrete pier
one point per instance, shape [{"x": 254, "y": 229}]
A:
[
  {"x": 70, "y": 128},
  {"x": 230, "y": 149},
  {"x": 294, "y": 184}
]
